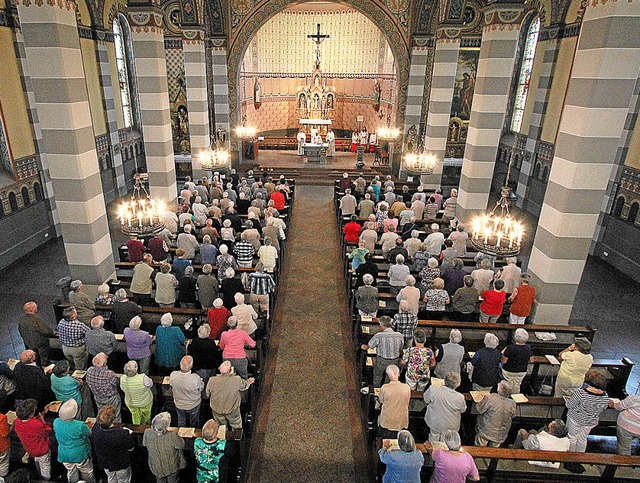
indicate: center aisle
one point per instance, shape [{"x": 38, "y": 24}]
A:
[{"x": 308, "y": 428}]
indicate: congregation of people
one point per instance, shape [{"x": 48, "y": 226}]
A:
[{"x": 116, "y": 367}]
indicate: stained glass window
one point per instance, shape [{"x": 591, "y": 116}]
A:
[
  {"x": 525, "y": 75},
  {"x": 123, "y": 69}
]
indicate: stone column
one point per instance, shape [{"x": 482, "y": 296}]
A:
[
  {"x": 415, "y": 92},
  {"x": 53, "y": 53},
  {"x": 220, "y": 87},
  {"x": 102, "y": 37},
  {"x": 195, "y": 75},
  {"x": 605, "y": 70},
  {"x": 495, "y": 67},
  {"x": 153, "y": 93},
  {"x": 445, "y": 65},
  {"x": 539, "y": 110}
]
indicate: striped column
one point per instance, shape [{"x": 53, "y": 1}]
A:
[
  {"x": 415, "y": 90},
  {"x": 53, "y": 52},
  {"x": 220, "y": 87},
  {"x": 45, "y": 174},
  {"x": 537, "y": 117},
  {"x": 495, "y": 66},
  {"x": 605, "y": 70},
  {"x": 195, "y": 75},
  {"x": 443, "y": 79},
  {"x": 153, "y": 94},
  {"x": 108, "y": 94}
]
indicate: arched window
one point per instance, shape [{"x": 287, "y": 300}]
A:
[
  {"x": 536, "y": 170},
  {"x": 545, "y": 173},
  {"x": 617, "y": 209},
  {"x": 524, "y": 78},
  {"x": 25, "y": 196},
  {"x": 122, "y": 41},
  {"x": 13, "y": 202},
  {"x": 38, "y": 191},
  {"x": 633, "y": 213}
]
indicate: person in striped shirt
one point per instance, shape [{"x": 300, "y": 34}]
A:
[
  {"x": 389, "y": 345},
  {"x": 261, "y": 284},
  {"x": 244, "y": 253}
]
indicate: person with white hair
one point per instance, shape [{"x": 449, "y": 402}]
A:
[
  {"x": 166, "y": 449},
  {"x": 169, "y": 344},
  {"x": 407, "y": 219},
  {"x": 450, "y": 205},
  {"x": 188, "y": 243},
  {"x": 207, "y": 286},
  {"x": 188, "y": 290},
  {"x": 244, "y": 252},
  {"x": 444, "y": 407},
  {"x": 104, "y": 384},
  {"x": 137, "y": 393},
  {"x": 138, "y": 344},
  {"x": 510, "y": 274},
  {"x": 82, "y": 302},
  {"x": 348, "y": 203},
  {"x": 459, "y": 239},
  {"x": 449, "y": 356},
  {"x": 187, "y": 389},
  {"x": 74, "y": 444},
  {"x": 405, "y": 322},
  {"x": 251, "y": 235},
  {"x": 209, "y": 450},
  {"x": 261, "y": 285},
  {"x": 496, "y": 412},
  {"x": 227, "y": 233},
  {"x": 434, "y": 240},
  {"x": 398, "y": 274},
  {"x": 232, "y": 343},
  {"x": 268, "y": 255},
  {"x": 98, "y": 339},
  {"x": 552, "y": 437},
  {"x": 229, "y": 287},
  {"x": 200, "y": 211},
  {"x": 515, "y": 359},
  {"x": 483, "y": 276},
  {"x": 171, "y": 221},
  {"x": 366, "y": 297},
  {"x": 452, "y": 465},
  {"x": 366, "y": 207},
  {"x": 224, "y": 393},
  {"x": 394, "y": 400},
  {"x": 388, "y": 240},
  {"x": 208, "y": 251},
  {"x": 388, "y": 345},
  {"x": 104, "y": 297},
  {"x": 486, "y": 364},
  {"x": 224, "y": 261},
  {"x": 245, "y": 314},
  {"x": 205, "y": 352},
  {"x": 436, "y": 299},
  {"x": 369, "y": 237},
  {"x": 166, "y": 284},
  {"x": 413, "y": 244},
  {"x": 421, "y": 258}
]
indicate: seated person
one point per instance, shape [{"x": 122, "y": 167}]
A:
[{"x": 552, "y": 437}]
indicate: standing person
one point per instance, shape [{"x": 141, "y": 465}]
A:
[
  {"x": 434, "y": 241},
  {"x": 166, "y": 449},
  {"x": 515, "y": 359},
  {"x": 209, "y": 450},
  {"x": 486, "y": 365},
  {"x": 142, "y": 281},
  {"x": 510, "y": 275},
  {"x": 138, "y": 344},
  {"x": 166, "y": 284},
  {"x": 217, "y": 318},
  {"x": 104, "y": 384},
  {"x": 453, "y": 465},
  {"x": 403, "y": 464},
  {"x": 394, "y": 400},
  {"x": 169, "y": 344},
  {"x": 135, "y": 249},
  {"x": 419, "y": 361},
  {"x": 449, "y": 356},
  {"x": 355, "y": 140},
  {"x": 187, "y": 393},
  {"x": 31, "y": 381},
  {"x": 352, "y": 230},
  {"x": 232, "y": 343},
  {"x": 331, "y": 141},
  {"x": 71, "y": 333},
  {"x": 492, "y": 303},
  {"x": 450, "y": 205},
  {"x": 366, "y": 297},
  {"x": 261, "y": 285},
  {"x": 522, "y": 299},
  {"x": 224, "y": 393},
  {"x": 74, "y": 445},
  {"x": 268, "y": 255},
  {"x": 389, "y": 345},
  {"x": 628, "y": 426},
  {"x": 112, "y": 446},
  {"x": 137, "y": 393},
  {"x": 301, "y": 138},
  {"x": 99, "y": 340},
  {"x": 82, "y": 302},
  {"x": 459, "y": 238},
  {"x": 411, "y": 294},
  {"x": 206, "y": 354},
  {"x": 35, "y": 333},
  {"x": 35, "y": 435},
  {"x": 576, "y": 360},
  {"x": 496, "y": 414},
  {"x": 405, "y": 322},
  {"x": 123, "y": 310},
  {"x": 465, "y": 300},
  {"x": 207, "y": 285},
  {"x": 444, "y": 407}
]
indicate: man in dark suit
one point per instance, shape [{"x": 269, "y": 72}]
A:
[
  {"x": 31, "y": 381},
  {"x": 35, "y": 333}
]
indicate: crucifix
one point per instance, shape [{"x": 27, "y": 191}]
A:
[{"x": 318, "y": 38}]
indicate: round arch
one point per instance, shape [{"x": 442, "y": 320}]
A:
[{"x": 375, "y": 12}]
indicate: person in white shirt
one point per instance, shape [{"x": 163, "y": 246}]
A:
[
  {"x": 459, "y": 238},
  {"x": 188, "y": 243},
  {"x": 510, "y": 274},
  {"x": 200, "y": 211},
  {"x": 268, "y": 255},
  {"x": 302, "y": 138},
  {"x": 388, "y": 240},
  {"x": 550, "y": 438},
  {"x": 245, "y": 314},
  {"x": 482, "y": 276},
  {"x": 331, "y": 141},
  {"x": 187, "y": 394},
  {"x": 434, "y": 241}
]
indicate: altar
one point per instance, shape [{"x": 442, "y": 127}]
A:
[{"x": 315, "y": 153}]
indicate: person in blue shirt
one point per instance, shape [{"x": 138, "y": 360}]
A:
[
  {"x": 74, "y": 445},
  {"x": 169, "y": 344},
  {"x": 403, "y": 464}
]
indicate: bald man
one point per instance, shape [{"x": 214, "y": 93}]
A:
[{"x": 35, "y": 333}]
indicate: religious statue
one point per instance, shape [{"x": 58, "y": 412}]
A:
[
  {"x": 376, "y": 95},
  {"x": 412, "y": 133},
  {"x": 302, "y": 103},
  {"x": 256, "y": 94},
  {"x": 330, "y": 101}
]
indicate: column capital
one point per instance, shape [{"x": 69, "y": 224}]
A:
[
  {"x": 102, "y": 35},
  {"x": 193, "y": 35},
  {"x": 145, "y": 17},
  {"x": 217, "y": 43},
  {"x": 448, "y": 33},
  {"x": 503, "y": 15}
]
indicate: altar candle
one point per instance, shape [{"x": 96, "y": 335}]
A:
[
  {"x": 140, "y": 218},
  {"x": 499, "y": 239},
  {"x": 129, "y": 219}
]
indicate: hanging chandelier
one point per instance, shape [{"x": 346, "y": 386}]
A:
[
  {"x": 214, "y": 159},
  {"x": 246, "y": 132},
  {"x": 141, "y": 216},
  {"x": 497, "y": 233},
  {"x": 420, "y": 162},
  {"x": 388, "y": 133}
]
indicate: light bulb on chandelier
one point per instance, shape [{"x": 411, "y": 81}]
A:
[
  {"x": 420, "y": 163},
  {"x": 141, "y": 215}
]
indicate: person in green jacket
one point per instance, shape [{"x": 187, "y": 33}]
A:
[{"x": 74, "y": 445}]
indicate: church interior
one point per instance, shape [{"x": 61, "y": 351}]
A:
[{"x": 359, "y": 167}]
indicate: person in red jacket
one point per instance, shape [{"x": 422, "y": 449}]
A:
[
  {"x": 217, "y": 317},
  {"x": 34, "y": 434},
  {"x": 492, "y": 302},
  {"x": 522, "y": 300},
  {"x": 136, "y": 249},
  {"x": 352, "y": 230},
  {"x": 278, "y": 199}
]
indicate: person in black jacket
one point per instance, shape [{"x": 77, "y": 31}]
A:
[
  {"x": 229, "y": 287},
  {"x": 187, "y": 290},
  {"x": 31, "y": 381},
  {"x": 367, "y": 267},
  {"x": 35, "y": 333},
  {"x": 486, "y": 365}
]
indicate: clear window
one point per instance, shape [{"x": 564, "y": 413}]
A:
[{"x": 525, "y": 75}]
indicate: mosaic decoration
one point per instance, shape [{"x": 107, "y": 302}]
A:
[{"x": 424, "y": 17}]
